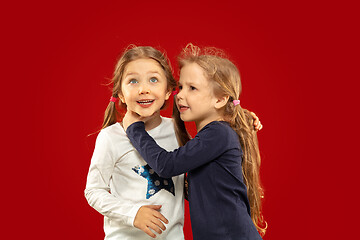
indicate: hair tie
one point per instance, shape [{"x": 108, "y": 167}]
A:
[
  {"x": 236, "y": 102},
  {"x": 113, "y": 99}
]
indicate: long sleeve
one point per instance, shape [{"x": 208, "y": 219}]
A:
[
  {"x": 204, "y": 148},
  {"x": 97, "y": 190}
]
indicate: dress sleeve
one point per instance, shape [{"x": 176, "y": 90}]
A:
[
  {"x": 97, "y": 191},
  {"x": 207, "y": 145}
]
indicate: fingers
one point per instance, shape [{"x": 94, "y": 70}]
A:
[
  {"x": 158, "y": 224},
  {"x": 155, "y": 207},
  {"x": 161, "y": 217},
  {"x": 158, "y": 214},
  {"x": 149, "y": 218},
  {"x": 256, "y": 119},
  {"x": 129, "y": 118},
  {"x": 134, "y": 116},
  {"x": 257, "y": 124},
  {"x": 156, "y": 227},
  {"x": 253, "y": 114},
  {"x": 145, "y": 227},
  {"x": 148, "y": 232}
]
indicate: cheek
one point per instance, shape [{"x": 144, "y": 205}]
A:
[
  {"x": 163, "y": 92},
  {"x": 127, "y": 96}
]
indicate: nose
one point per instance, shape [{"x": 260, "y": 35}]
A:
[
  {"x": 144, "y": 89},
  {"x": 180, "y": 94}
]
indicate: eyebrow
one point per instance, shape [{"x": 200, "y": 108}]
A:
[
  {"x": 156, "y": 72},
  {"x": 134, "y": 73},
  {"x": 130, "y": 73},
  {"x": 187, "y": 82}
]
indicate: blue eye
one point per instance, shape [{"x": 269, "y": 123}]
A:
[
  {"x": 133, "y": 81},
  {"x": 192, "y": 88},
  {"x": 154, "y": 80}
]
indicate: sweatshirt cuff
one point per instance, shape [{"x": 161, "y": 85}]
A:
[{"x": 132, "y": 213}]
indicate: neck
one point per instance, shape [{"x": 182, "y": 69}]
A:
[{"x": 153, "y": 122}]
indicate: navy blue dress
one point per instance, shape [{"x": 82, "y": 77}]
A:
[{"x": 219, "y": 207}]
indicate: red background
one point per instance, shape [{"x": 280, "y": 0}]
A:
[{"x": 299, "y": 64}]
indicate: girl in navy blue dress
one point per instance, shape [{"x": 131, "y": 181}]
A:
[{"x": 222, "y": 160}]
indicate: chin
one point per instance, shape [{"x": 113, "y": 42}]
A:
[
  {"x": 146, "y": 113},
  {"x": 185, "y": 119}
]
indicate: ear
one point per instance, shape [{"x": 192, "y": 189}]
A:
[
  {"x": 221, "y": 102},
  {"x": 168, "y": 94},
  {"x": 121, "y": 97}
]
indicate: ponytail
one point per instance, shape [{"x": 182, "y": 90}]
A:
[
  {"x": 110, "y": 116},
  {"x": 242, "y": 123}
]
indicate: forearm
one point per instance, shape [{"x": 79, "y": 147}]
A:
[
  {"x": 110, "y": 206},
  {"x": 203, "y": 148},
  {"x": 159, "y": 159}
]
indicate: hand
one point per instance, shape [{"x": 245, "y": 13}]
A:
[
  {"x": 131, "y": 117},
  {"x": 257, "y": 124},
  {"x": 148, "y": 216}
]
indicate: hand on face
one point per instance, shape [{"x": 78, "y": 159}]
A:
[
  {"x": 129, "y": 118},
  {"x": 132, "y": 117},
  {"x": 144, "y": 87}
]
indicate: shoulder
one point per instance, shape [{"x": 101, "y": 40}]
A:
[
  {"x": 167, "y": 122},
  {"x": 164, "y": 134},
  {"x": 166, "y": 127},
  {"x": 114, "y": 139},
  {"x": 112, "y": 132},
  {"x": 220, "y": 132},
  {"x": 115, "y": 128},
  {"x": 217, "y": 127}
]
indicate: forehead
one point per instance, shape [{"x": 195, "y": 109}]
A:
[
  {"x": 143, "y": 66},
  {"x": 193, "y": 73}
]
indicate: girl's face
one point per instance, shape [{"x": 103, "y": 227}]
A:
[
  {"x": 144, "y": 87},
  {"x": 196, "y": 100}
]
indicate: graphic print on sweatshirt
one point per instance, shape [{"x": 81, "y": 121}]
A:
[{"x": 155, "y": 182}]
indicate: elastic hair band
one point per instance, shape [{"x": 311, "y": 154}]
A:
[
  {"x": 113, "y": 99},
  {"x": 236, "y": 102}
]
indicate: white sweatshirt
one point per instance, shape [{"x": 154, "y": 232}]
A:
[{"x": 119, "y": 182}]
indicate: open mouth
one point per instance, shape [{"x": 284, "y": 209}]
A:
[
  {"x": 183, "y": 108},
  {"x": 145, "y": 102}
]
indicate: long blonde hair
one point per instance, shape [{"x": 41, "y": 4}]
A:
[
  {"x": 226, "y": 78},
  {"x": 114, "y": 112}
]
